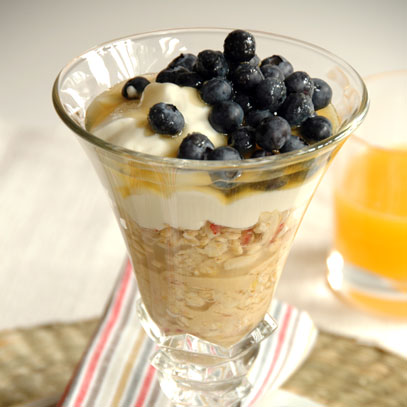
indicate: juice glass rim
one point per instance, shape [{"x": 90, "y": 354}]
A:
[
  {"x": 371, "y": 144},
  {"x": 279, "y": 160},
  {"x": 368, "y": 144}
]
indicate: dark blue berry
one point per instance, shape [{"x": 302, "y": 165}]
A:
[
  {"x": 243, "y": 139},
  {"x": 270, "y": 184},
  {"x": 316, "y": 128},
  {"x": 181, "y": 76},
  {"x": 273, "y": 133},
  {"x": 246, "y": 77},
  {"x": 243, "y": 100},
  {"x": 211, "y": 64},
  {"x": 299, "y": 81},
  {"x": 170, "y": 74},
  {"x": 224, "y": 153},
  {"x": 292, "y": 143},
  {"x": 296, "y": 108},
  {"x": 216, "y": 90},
  {"x": 280, "y": 62},
  {"x": 255, "y": 61},
  {"x": 185, "y": 60},
  {"x": 226, "y": 116},
  {"x": 270, "y": 94},
  {"x": 261, "y": 153},
  {"x": 322, "y": 95},
  {"x": 134, "y": 87},
  {"x": 191, "y": 79},
  {"x": 165, "y": 118},
  {"x": 223, "y": 179},
  {"x": 272, "y": 71},
  {"x": 195, "y": 146},
  {"x": 239, "y": 46},
  {"x": 255, "y": 117}
]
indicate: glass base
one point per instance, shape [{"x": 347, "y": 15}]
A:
[
  {"x": 365, "y": 289},
  {"x": 197, "y": 373}
]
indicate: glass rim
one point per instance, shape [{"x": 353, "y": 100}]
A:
[
  {"x": 277, "y": 160},
  {"x": 371, "y": 144}
]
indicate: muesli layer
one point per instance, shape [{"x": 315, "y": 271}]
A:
[{"x": 215, "y": 282}]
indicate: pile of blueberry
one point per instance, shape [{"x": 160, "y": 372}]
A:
[{"x": 255, "y": 103}]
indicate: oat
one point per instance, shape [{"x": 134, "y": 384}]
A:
[
  {"x": 216, "y": 282},
  {"x": 240, "y": 261},
  {"x": 214, "y": 248}
]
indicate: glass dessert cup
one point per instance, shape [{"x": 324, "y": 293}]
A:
[{"x": 207, "y": 239}]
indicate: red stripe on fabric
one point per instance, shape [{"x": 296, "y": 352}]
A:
[
  {"x": 276, "y": 355},
  {"x": 145, "y": 387},
  {"x": 67, "y": 390},
  {"x": 104, "y": 337}
]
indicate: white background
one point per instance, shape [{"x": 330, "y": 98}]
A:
[{"x": 60, "y": 248}]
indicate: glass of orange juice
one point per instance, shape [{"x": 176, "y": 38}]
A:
[{"x": 368, "y": 262}]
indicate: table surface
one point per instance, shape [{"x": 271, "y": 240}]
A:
[{"x": 60, "y": 249}]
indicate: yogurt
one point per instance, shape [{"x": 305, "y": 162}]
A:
[{"x": 126, "y": 125}]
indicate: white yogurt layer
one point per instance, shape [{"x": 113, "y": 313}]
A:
[
  {"x": 129, "y": 128},
  {"x": 190, "y": 209}
]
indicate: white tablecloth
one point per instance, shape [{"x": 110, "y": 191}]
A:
[{"x": 60, "y": 249}]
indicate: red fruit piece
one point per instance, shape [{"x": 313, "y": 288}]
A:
[
  {"x": 246, "y": 237},
  {"x": 215, "y": 228}
]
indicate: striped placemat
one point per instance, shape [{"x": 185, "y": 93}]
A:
[{"x": 115, "y": 369}]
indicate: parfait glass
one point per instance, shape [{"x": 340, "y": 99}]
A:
[{"x": 206, "y": 268}]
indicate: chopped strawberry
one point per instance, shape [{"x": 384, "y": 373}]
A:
[
  {"x": 246, "y": 237},
  {"x": 215, "y": 228}
]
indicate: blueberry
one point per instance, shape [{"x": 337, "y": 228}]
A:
[
  {"x": 239, "y": 45},
  {"x": 272, "y": 71},
  {"x": 255, "y": 117},
  {"x": 273, "y": 133},
  {"x": 216, "y": 90},
  {"x": 280, "y": 62},
  {"x": 299, "y": 81},
  {"x": 134, "y": 87},
  {"x": 185, "y": 60},
  {"x": 270, "y": 94},
  {"x": 292, "y": 143},
  {"x": 271, "y": 184},
  {"x": 316, "y": 128},
  {"x": 181, "y": 76},
  {"x": 226, "y": 116},
  {"x": 191, "y": 79},
  {"x": 195, "y": 146},
  {"x": 243, "y": 139},
  {"x": 211, "y": 64},
  {"x": 170, "y": 74},
  {"x": 246, "y": 77},
  {"x": 261, "y": 153},
  {"x": 243, "y": 100},
  {"x": 165, "y": 119},
  {"x": 322, "y": 95},
  {"x": 224, "y": 153},
  {"x": 222, "y": 179},
  {"x": 255, "y": 61},
  {"x": 296, "y": 108}
]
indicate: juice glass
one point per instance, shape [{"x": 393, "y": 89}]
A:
[{"x": 368, "y": 264}]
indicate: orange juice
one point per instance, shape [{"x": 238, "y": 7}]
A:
[
  {"x": 371, "y": 213},
  {"x": 368, "y": 263}
]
